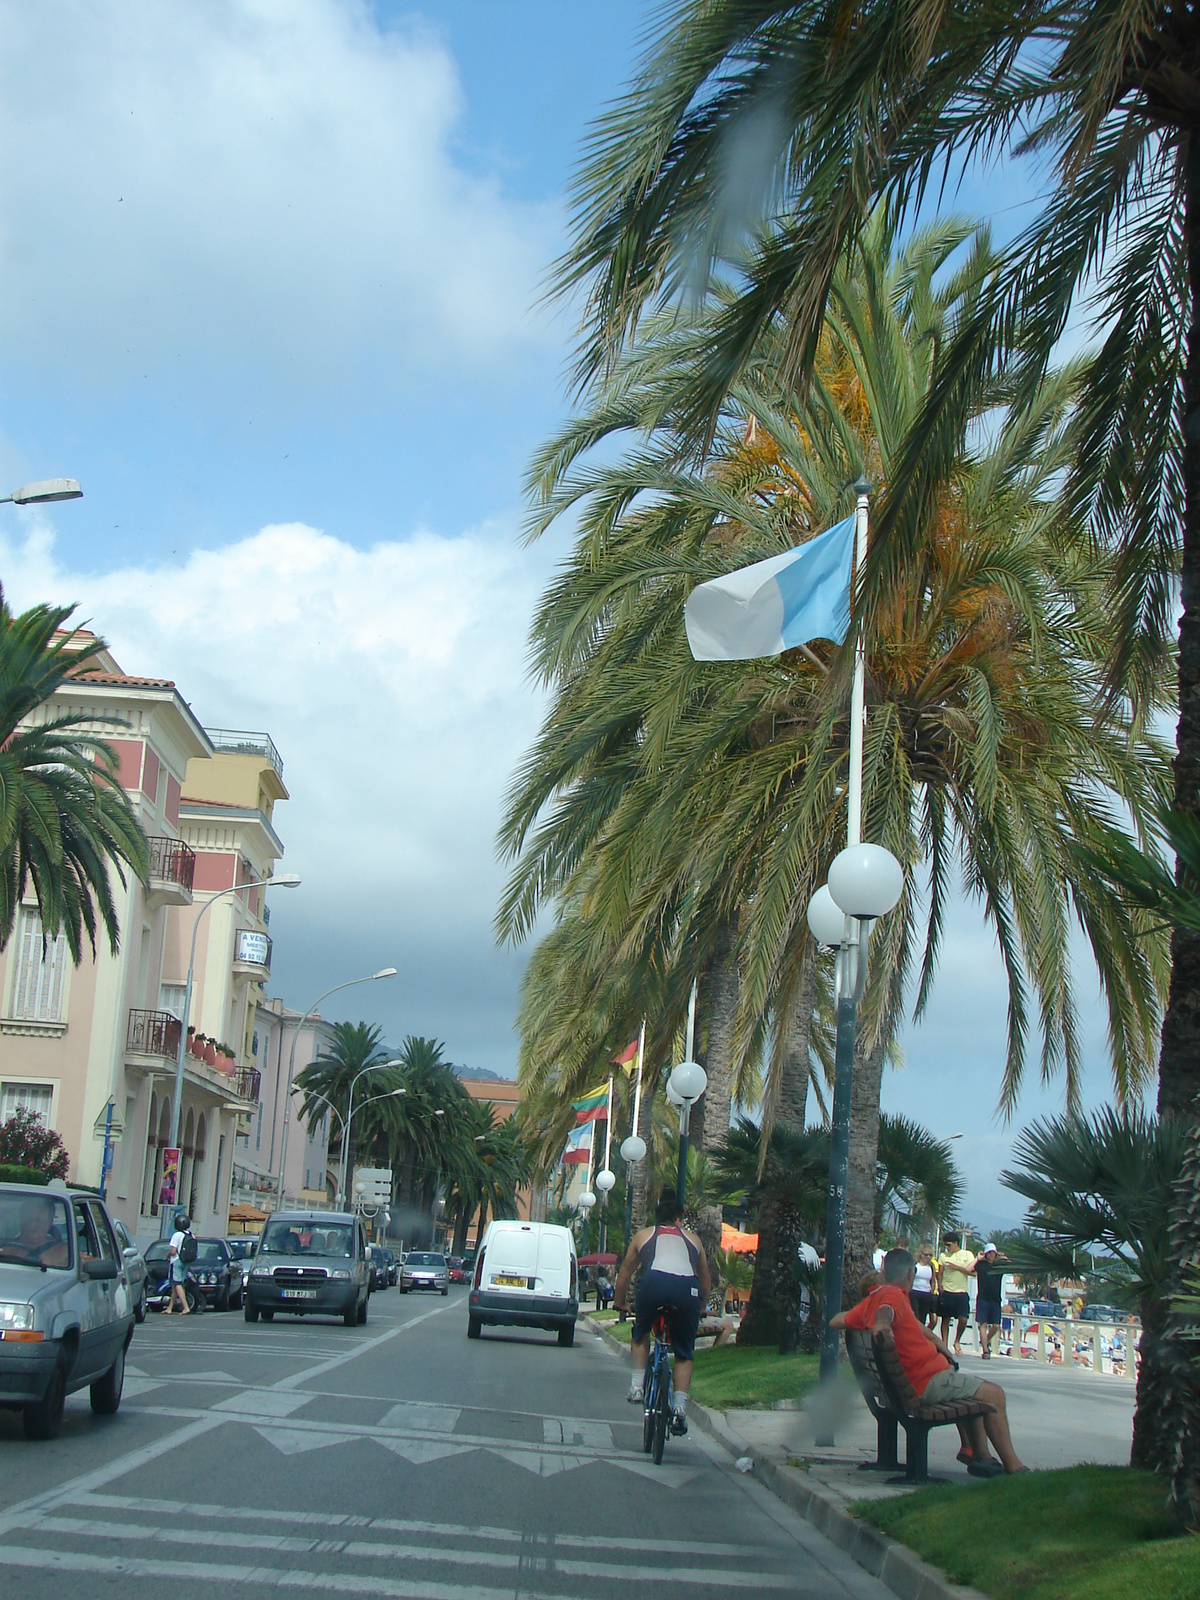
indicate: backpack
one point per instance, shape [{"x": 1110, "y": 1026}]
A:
[{"x": 187, "y": 1248}]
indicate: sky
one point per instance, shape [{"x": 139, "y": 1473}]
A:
[{"x": 271, "y": 288}]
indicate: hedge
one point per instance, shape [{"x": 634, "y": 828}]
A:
[{"x": 10, "y": 1174}]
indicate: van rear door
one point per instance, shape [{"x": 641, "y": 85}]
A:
[
  {"x": 512, "y": 1258},
  {"x": 553, "y": 1266}
]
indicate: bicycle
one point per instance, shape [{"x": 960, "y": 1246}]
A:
[{"x": 658, "y": 1393}]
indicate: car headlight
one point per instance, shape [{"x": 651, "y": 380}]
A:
[
  {"x": 261, "y": 1272},
  {"x": 16, "y": 1314},
  {"x": 339, "y": 1272}
]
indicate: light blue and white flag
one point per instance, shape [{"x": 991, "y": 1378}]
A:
[{"x": 775, "y": 604}]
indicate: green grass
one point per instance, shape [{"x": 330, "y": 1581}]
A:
[
  {"x": 749, "y": 1375},
  {"x": 1087, "y": 1533}
]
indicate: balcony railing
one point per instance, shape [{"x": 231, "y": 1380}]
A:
[
  {"x": 240, "y": 742},
  {"x": 153, "y": 1033},
  {"x": 172, "y": 860},
  {"x": 247, "y": 1081}
]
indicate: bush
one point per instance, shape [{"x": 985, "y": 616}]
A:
[
  {"x": 14, "y": 1174},
  {"x": 26, "y": 1141}
]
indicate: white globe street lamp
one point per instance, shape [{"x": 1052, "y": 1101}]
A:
[
  {"x": 605, "y": 1180},
  {"x": 633, "y": 1149},
  {"x": 689, "y": 1081},
  {"x": 866, "y": 880},
  {"x": 826, "y": 919},
  {"x": 586, "y": 1200}
]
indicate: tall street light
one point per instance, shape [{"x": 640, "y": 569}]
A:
[
  {"x": 384, "y": 972},
  {"x": 284, "y": 880},
  {"x": 392, "y": 1094},
  {"x": 311, "y": 1094},
  {"x": 44, "y": 493},
  {"x": 684, "y": 1087},
  {"x": 865, "y": 882}
]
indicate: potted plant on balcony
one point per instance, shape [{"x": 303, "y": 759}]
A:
[
  {"x": 210, "y": 1052},
  {"x": 196, "y": 1044},
  {"x": 225, "y": 1059}
]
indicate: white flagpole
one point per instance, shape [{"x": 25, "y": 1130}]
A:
[
  {"x": 858, "y": 693},
  {"x": 637, "y": 1093},
  {"x": 608, "y": 1124}
]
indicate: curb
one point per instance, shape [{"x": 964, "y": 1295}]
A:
[{"x": 895, "y": 1565}]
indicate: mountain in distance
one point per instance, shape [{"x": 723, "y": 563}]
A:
[{"x": 476, "y": 1074}]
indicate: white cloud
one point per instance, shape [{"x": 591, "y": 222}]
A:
[
  {"x": 392, "y": 681},
  {"x": 268, "y": 184}
]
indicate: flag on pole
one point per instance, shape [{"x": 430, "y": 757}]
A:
[
  {"x": 777, "y": 604},
  {"x": 579, "y": 1146},
  {"x": 628, "y": 1056},
  {"x": 598, "y": 1097}
]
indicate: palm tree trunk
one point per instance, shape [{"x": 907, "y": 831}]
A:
[
  {"x": 461, "y": 1222},
  {"x": 860, "y": 1176},
  {"x": 1167, "y": 1419},
  {"x": 711, "y": 1129},
  {"x": 761, "y": 1324}
]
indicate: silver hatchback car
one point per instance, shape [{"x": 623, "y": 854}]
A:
[
  {"x": 424, "y": 1269},
  {"x": 66, "y": 1310}
]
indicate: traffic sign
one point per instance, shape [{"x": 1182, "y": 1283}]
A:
[{"x": 373, "y": 1185}]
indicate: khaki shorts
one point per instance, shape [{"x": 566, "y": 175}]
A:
[{"x": 946, "y": 1387}]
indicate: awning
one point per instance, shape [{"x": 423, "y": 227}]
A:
[{"x": 740, "y": 1243}]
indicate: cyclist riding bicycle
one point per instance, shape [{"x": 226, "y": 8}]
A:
[{"x": 673, "y": 1277}]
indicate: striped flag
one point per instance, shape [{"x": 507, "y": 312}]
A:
[
  {"x": 579, "y": 1145},
  {"x": 628, "y": 1056},
  {"x": 593, "y": 1107}
]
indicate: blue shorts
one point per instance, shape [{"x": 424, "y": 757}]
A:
[
  {"x": 988, "y": 1311},
  {"x": 679, "y": 1298},
  {"x": 178, "y": 1270}
]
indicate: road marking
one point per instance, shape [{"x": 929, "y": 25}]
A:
[
  {"x": 541, "y": 1462},
  {"x": 130, "y": 1462},
  {"x": 441, "y": 1530},
  {"x": 262, "y": 1403},
  {"x": 420, "y": 1451},
  {"x": 577, "y": 1430},
  {"x": 532, "y": 1557},
  {"x": 427, "y": 1418},
  {"x": 319, "y": 1371},
  {"x": 295, "y": 1441},
  {"x": 133, "y": 1387}
]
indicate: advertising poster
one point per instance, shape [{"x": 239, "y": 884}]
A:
[{"x": 170, "y": 1176}]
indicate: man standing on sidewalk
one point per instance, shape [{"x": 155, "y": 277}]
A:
[
  {"x": 989, "y": 1276},
  {"x": 955, "y": 1301}
]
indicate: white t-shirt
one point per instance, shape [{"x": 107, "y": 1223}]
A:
[
  {"x": 923, "y": 1282},
  {"x": 176, "y": 1259},
  {"x": 877, "y": 1259}
]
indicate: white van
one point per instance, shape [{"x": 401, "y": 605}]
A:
[{"x": 526, "y": 1276}]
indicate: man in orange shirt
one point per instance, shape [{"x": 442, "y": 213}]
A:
[{"x": 931, "y": 1370}]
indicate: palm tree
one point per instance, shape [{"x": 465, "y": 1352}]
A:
[
  {"x": 355, "y": 1048},
  {"x": 65, "y": 821},
  {"x": 917, "y": 1172},
  {"x": 1108, "y": 1180},
  {"x": 665, "y": 799}
]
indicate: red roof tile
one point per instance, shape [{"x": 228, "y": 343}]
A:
[{"x": 121, "y": 678}]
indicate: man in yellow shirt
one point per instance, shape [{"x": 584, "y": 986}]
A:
[{"x": 954, "y": 1302}]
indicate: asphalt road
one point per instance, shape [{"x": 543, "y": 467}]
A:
[{"x": 397, "y": 1460}]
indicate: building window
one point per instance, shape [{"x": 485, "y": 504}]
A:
[
  {"x": 40, "y": 968},
  {"x": 171, "y": 998},
  {"x": 37, "y": 1097}
]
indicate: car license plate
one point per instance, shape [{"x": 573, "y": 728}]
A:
[
  {"x": 511, "y": 1283},
  {"x": 299, "y": 1294}
]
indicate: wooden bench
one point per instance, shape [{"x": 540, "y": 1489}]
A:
[
  {"x": 916, "y": 1418},
  {"x": 862, "y": 1363}
]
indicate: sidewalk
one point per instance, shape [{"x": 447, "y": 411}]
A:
[{"x": 1060, "y": 1417}]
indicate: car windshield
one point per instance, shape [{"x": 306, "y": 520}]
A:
[
  {"x": 34, "y": 1230},
  {"x": 419, "y": 1258},
  {"x": 209, "y": 1250},
  {"x": 306, "y": 1239}
]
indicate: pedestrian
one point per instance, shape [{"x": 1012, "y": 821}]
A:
[
  {"x": 923, "y": 1283},
  {"x": 989, "y": 1278},
  {"x": 178, "y": 1256},
  {"x": 954, "y": 1302},
  {"x": 928, "y": 1367}
]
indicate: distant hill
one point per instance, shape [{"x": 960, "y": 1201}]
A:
[{"x": 477, "y": 1074}]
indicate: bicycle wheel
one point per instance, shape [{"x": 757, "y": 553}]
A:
[
  {"x": 648, "y": 1396},
  {"x": 662, "y": 1418}
]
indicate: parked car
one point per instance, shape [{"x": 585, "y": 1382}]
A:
[
  {"x": 241, "y": 1248},
  {"x": 1046, "y": 1308},
  {"x": 310, "y": 1264},
  {"x": 218, "y": 1274},
  {"x": 66, "y": 1309},
  {"x": 379, "y": 1267},
  {"x": 135, "y": 1270},
  {"x": 1102, "y": 1314},
  {"x": 393, "y": 1266},
  {"x": 424, "y": 1269},
  {"x": 456, "y": 1269},
  {"x": 526, "y": 1276}
]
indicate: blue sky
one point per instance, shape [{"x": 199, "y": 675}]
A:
[{"x": 271, "y": 281}]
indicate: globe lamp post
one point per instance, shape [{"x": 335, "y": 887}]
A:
[
  {"x": 684, "y": 1087},
  {"x": 865, "y": 882}
]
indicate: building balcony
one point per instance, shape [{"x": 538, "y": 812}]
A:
[
  {"x": 247, "y": 1083},
  {"x": 252, "y": 955},
  {"x": 241, "y": 742},
  {"x": 153, "y": 1033},
  {"x": 172, "y": 870}
]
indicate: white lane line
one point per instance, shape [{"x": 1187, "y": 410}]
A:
[
  {"x": 429, "y": 1418},
  {"x": 533, "y": 1558},
  {"x": 440, "y": 1530},
  {"x": 319, "y": 1371},
  {"x": 261, "y": 1403},
  {"x": 356, "y": 1583},
  {"x": 64, "y": 1493}
]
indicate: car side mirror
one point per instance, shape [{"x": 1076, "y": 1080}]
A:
[{"x": 98, "y": 1269}]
